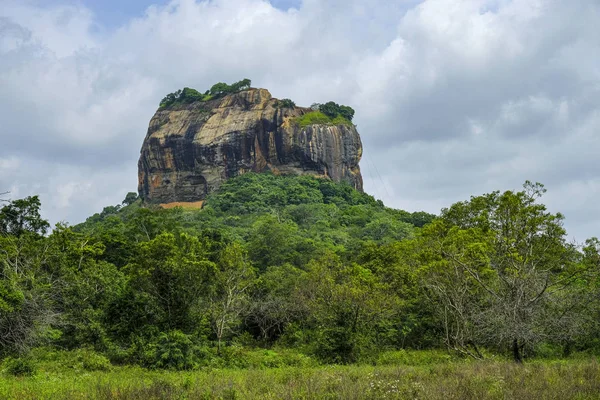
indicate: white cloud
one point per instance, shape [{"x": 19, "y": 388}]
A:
[{"x": 452, "y": 98}]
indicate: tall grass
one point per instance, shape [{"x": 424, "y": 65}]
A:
[{"x": 449, "y": 380}]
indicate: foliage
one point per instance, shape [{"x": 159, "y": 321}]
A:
[
  {"x": 173, "y": 350},
  {"x": 233, "y": 280},
  {"x": 294, "y": 270},
  {"x": 26, "y": 311},
  {"x": 22, "y": 216},
  {"x": 21, "y": 366},
  {"x": 188, "y": 95},
  {"x": 334, "y": 110},
  {"x": 285, "y": 103},
  {"x": 496, "y": 266},
  {"x": 130, "y": 198},
  {"x": 221, "y": 89},
  {"x": 182, "y": 96},
  {"x": 318, "y": 117}
]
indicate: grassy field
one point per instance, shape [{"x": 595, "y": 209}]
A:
[{"x": 572, "y": 379}]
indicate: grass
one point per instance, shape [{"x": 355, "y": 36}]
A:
[
  {"x": 563, "y": 379},
  {"x": 317, "y": 117}
]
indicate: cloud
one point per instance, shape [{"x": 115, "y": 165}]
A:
[{"x": 453, "y": 98}]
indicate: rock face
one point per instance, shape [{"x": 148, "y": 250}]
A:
[{"x": 191, "y": 149}]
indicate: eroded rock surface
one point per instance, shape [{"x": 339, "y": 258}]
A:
[{"x": 191, "y": 149}]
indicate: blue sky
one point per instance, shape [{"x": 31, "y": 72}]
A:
[{"x": 112, "y": 13}]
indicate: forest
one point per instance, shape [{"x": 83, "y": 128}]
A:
[{"x": 295, "y": 271}]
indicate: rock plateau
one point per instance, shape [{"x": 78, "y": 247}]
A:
[{"x": 190, "y": 149}]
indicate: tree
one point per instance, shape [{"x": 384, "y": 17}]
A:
[
  {"x": 130, "y": 198},
  {"x": 21, "y": 216},
  {"x": 330, "y": 109},
  {"x": 167, "y": 286},
  {"x": 349, "y": 309},
  {"x": 287, "y": 103},
  {"x": 497, "y": 263},
  {"x": 275, "y": 303},
  {"x": 346, "y": 112},
  {"x": 189, "y": 95},
  {"x": 26, "y": 298},
  {"x": 244, "y": 84},
  {"x": 171, "y": 98},
  {"x": 219, "y": 89},
  {"x": 83, "y": 288},
  {"x": 272, "y": 242},
  {"x": 232, "y": 282}
]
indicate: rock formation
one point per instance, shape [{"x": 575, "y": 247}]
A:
[{"x": 190, "y": 149}]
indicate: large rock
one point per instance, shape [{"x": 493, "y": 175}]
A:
[{"x": 191, "y": 149}]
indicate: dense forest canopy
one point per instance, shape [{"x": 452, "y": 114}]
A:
[{"x": 297, "y": 263}]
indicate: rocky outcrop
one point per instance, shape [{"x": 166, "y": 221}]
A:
[{"x": 191, "y": 149}]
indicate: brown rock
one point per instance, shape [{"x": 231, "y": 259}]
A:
[{"x": 191, "y": 149}]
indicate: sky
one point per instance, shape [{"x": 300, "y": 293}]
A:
[{"x": 453, "y": 98}]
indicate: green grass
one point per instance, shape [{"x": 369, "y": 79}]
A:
[
  {"x": 317, "y": 117},
  {"x": 571, "y": 379}
]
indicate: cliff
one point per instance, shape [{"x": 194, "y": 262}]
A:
[{"x": 190, "y": 149}]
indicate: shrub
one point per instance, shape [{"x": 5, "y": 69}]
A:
[
  {"x": 318, "y": 117},
  {"x": 333, "y": 110},
  {"x": 221, "y": 88},
  {"x": 286, "y": 103},
  {"x": 80, "y": 360},
  {"x": 92, "y": 361},
  {"x": 20, "y": 366},
  {"x": 173, "y": 350},
  {"x": 236, "y": 356},
  {"x": 188, "y": 95},
  {"x": 312, "y": 118}
]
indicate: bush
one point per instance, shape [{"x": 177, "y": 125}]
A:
[
  {"x": 286, "y": 103},
  {"x": 79, "y": 360},
  {"x": 20, "y": 366},
  {"x": 236, "y": 356},
  {"x": 173, "y": 350},
  {"x": 221, "y": 88},
  {"x": 317, "y": 117},
  {"x": 333, "y": 110},
  {"x": 92, "y": 361},
  {"x": 182, "y": 96},
  {"x": 188, "y": 95}
]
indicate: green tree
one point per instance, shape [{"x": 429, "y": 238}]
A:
[
  {"x": 497, "y": 263},
  {"x": 241, "y": 85},
  {"x": 332, "y": 110},
  {"x": 349, "y": 309},
  {"x": 273, "y": 242},
  {"x": 167, "y": 286},
  {"x": 219, "y": 89},
  {"x": 346, "y": 112},
  {"x": 83, "y": 288},
  {"x": 21, "y": 216},
  {"x": 233, "y": 280},
  {"x": 130, "y": 198},
  {"x": 26, "y": 300},
  {"x": 275, "y": 303},
  {"x": 286, "y": 103}
]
